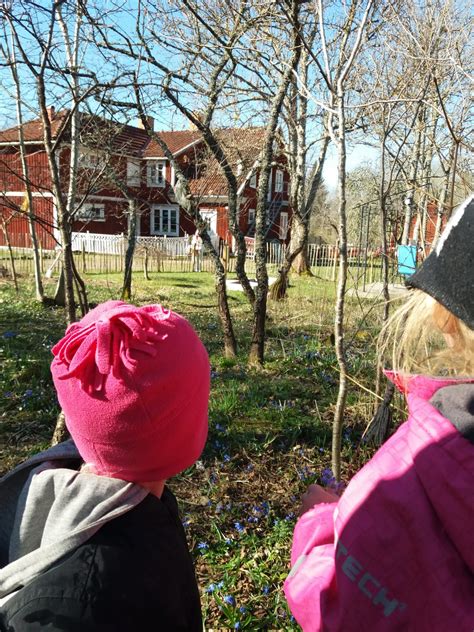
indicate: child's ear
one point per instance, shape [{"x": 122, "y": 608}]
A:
[{"x": 444, "y": 320}]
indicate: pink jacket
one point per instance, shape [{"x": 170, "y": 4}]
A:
[{"x": 397, "y": 551}]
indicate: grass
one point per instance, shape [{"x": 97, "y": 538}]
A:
[{"x": 269, "y": 430}]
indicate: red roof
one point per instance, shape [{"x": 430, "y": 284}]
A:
[
  {"x": 96, "y": 130},
  {"x": 33, "y": 130},
  {"x": 242, "y": 147},
  {"x": 176, "y": 141}
]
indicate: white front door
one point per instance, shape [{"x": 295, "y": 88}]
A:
[{"x": 210, "y": 217}]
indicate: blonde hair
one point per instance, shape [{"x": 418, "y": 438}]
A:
[{"x": 422, "y": 336}]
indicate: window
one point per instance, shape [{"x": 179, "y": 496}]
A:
[
  {"x": 155, "y": 173},
  {"x": 91, "y": 213},
  {"x": 253, "y": 181},
  {"x": 88, "y": 159},
  {"x": 133, "y": 173},
  {"x": 165, "y": 220},
  {"x": 251, "y": 216},
  {"x": 278, "y": 181}
]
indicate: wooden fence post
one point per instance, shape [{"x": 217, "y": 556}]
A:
[{"x": 145, "y": 265}]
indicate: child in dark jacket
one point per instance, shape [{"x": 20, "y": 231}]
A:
[
  {"x": 396, "y": 551},
  {"x": 90, "y": 536}
]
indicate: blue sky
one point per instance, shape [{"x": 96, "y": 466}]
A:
[{"x": 356, "y": 156}]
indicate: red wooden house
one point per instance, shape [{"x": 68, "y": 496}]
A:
[{"x": 120, "y": 162}]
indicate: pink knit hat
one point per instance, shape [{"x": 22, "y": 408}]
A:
[{"x": 133, "y": 383}]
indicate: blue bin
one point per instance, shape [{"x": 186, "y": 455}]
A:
[{"x": 406, "y": 257}]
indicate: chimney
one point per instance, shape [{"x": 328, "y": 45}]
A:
[
  {"x": 51, "y": 112},
  {"x": 151, "y": 123}
]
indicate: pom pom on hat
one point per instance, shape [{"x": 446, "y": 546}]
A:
[{"x": 134, "y": 387}]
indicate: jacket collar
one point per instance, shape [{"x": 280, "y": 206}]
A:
[{"x": 423, "y": 386}]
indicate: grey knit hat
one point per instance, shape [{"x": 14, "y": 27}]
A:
[{"x": 447, "y": 274}]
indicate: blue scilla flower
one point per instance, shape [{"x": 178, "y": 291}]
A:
[
  {"x": 327, "y": 477},
  {"x": 229, "y": 599},
  {"x": 237, "y": 625},
  {"x": 266, "y": 589},
  {"x": 243, "y": 609},
  {"x": 211, "y": 588},
  {"x": 226, "y": 458},
  {"x": 239, "y": 527},
  {"x": 219, "y": 428},
  {"x": 220, "y": 584},
  {"x": 9, "y": 334},
  {"x": 203, "y": 546},
  {"x": 28, "y": 393}
]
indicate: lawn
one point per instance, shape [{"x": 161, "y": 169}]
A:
[{"x": 269, "y": 429}]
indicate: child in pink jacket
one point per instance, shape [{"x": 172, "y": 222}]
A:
[{"x": 396, "y": 551}]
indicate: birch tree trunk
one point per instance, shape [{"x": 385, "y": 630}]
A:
[{"x": 341, "y": 291}]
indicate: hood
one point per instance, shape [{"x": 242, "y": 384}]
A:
[
  {"x": 49, "y": 509},
  {"x": 443, "y": 458}
]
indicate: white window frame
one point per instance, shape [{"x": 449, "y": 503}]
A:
[
  {"x": 253, "y": 181},
  {"x": 270, "y": 185},
  {"x": 161, "y": 229},
  {"x": 283, "y": 234},
  {"x": 90, "y": 212},
  {"x": 133, "y": 173},
  {"x": 151, "y": 180},
  {"x": 88, "y": 158},
  {"x": 279, "y": 179}
]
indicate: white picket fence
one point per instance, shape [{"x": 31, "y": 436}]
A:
[
  {"x": 106, "y": 253},
  {"x": 117, "y": 244}
]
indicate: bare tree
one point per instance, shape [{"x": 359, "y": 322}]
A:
[
  {"x": 352, "y": 29},
  {"x": 303, "y": 123},
  {"x": 51, "y": 59},
  {"x": 7, "y": 49}
]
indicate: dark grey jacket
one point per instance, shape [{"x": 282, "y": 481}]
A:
[{"x": 114, "y": 558}]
